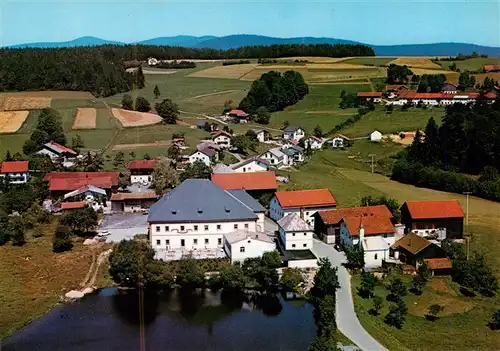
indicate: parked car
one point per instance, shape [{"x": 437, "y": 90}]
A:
[{"x": 103, "y": 233}]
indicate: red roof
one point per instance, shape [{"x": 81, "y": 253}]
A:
[
  {"x": 14, "y": 167},
  {"x": 415, "y": 95},
  {"x": 220, "y": 132},
  {"x": 335, "y": 216},
  {"x": 370, "y": 94},
  {"x": 293, "y": 141},
  {"x": 315, "y": 138},
  {"x": 434, "y": 209},
  {"x": 73, "y": 205},
  {"x": 245, "y": 181},
  {"x": 438, "y": 263},
  {"x": 75, "y": 180},
  {"x": 491, "y": 95},
  {"x": 372, "y": 225},
  {"x": 306, "y": 198},
  {"x": 238, "y": 113},
  {"x": 142, "y": 164},
  {"x": 62, "y": 147},
  {"x": 492, "y": 68}
]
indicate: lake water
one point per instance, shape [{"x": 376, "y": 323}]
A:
[{"x": 110, "y": 320}]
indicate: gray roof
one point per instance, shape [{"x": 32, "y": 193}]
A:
[
  {"x": 276, "y": 151},
  {"x": 247, "y": 200},
  {"x": 198, "y": 200},
  {"x": 293, "y": 223},
  {"x": 240, "y": 235},
  {"x": 247, "y": 161},
  {"x": 222, "y": 168},
  {"x": 291, "y": 129},
  {"x": 298, "y": 148},
  {"x": 288, "y": 152},
  {"x": 208, "y": 151}
]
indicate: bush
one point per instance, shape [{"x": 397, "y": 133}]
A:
[
  {"x": 190, "y": 275},
  {"x": 434, "y": 311},
  {"x": 142, "y": 105},
  {"x": 214, "y": 283},
  {"x": 38, "y": 231},
  {"x": 396, "y": 290},
  {"x": 233, "y": 277},
  {"x": 61, "y": 241},
  {"x": 368, "y": 281},
  {"x": 396, "y": 315},
  {"x": 495, "y": 320},
  {"x": 291, "y": 279},
  {"x": 377, "y": 305}
]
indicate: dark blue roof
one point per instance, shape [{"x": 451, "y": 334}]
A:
[
  {"x": 249, "y": 201},
  {"x": 198, "y": 200}
]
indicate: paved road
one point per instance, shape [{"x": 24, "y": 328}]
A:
[
  {"x": 124, "y": 226},
  {"x": 347, "y": 321}
]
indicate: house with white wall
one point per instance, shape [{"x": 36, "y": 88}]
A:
[
  {"x": 376, "y": 136},
  {"x": 204, "y": 155},
  {"x": 373, "y": 96},
  {"x": 339, "y": 140},
  {"x": 295, "y": 233},
  {"x": 16, "y": 171},
  {"x": 141, "y": 171},
  {"x": 313, "y": 142},
  {"x": 295, "y": 133},
  {"x": 57, "y": 151},
  {"x": 276, "y": 157},
  {"x": 305, "y": 203},
  {"x": 253, "y": 164},
  {"x": 240, "y": 245},
  {"x": 196, "y": 215},
  {"x": 261, "y": 134},
  {"x": 222, "y": 138},
  {"x": 375, "y": 234}
]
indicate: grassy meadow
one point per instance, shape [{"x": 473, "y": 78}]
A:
[{"x": 473, "y": 64}]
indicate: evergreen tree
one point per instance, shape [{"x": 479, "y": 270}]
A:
[
  {"x": 167, "y": 110},
  {"x": 61, "y": 241},
  {"x": 127, "y": 102},
  {"x": 318, "y": 132},
  {"x": 142, "y": 105},
  {"x": 431, "y": 146},
  {"x": 156, "y": 92},
  {"x": 8, "y": 156}
]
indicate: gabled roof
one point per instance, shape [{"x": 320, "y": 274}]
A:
[
  {"x": 449, "y": 87},
  {"x": 291, "y": 129},
  {"x": 276, "y": 151},
  {"x": 221, "y": 132},
  {"x": 206, "y": 151},
  {"x": 335, "y": 216},
  {"x": 339, "y": 136},
  {"x": 246, "y": 181},
  {"x": 14, "y": 167},
  {"x": 199, "y": 200},
  {"x": 434, "y": 209},
  {"x": 297, "y": 148},
  {"x": 315, "y": 138},
  {"x": 75, "y": 180},
  {"x": 222, "y": 168},
  {"x": 134, "y": 196},
  {"x": 143, "y": 164},
  {"x": 438, "y": 263},
  {"x": 59, "y": 148},
  {"x": 372, "y": 94},
  {"x": 73, "y": 205},
  {"x": 412, "y": 243},
  {"x": 84, "y": 189},
  {"x": 372, "y": 225},
  {"x": 248, "y": 161},
  {"x": 288, "y": 151},
  {"x": 239, "y": 113},
  {"x": 243, "y": 197},
  {"x": 305, "y": 198},
  {"x": 240, "y": 235},
  {"x": 293, "y": 223}
]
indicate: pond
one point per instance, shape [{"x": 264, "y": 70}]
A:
[{"x": 113, "y": 319}]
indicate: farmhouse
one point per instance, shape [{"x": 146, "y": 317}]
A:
[
  {"x": 327, "y": 223},
  {"x": 376, "y": 136},
  {"x": 17, "y": 172},
  {"x": 195, "y": 215},
  {"x": 437, "y": 219},
  {"x": 491, "y": 68},
  {"x": 374, "y": 96},
  {"x": 179, "y": 142},
  {"x": 313, "y": 143},
  {"x": 56, "y": 151},
  {"x": 141, "y": 171},
  {"x": 295, "y": 133},
  {"x": 339, "y": 140},
  {"x": 93, "y": 196},
  {"x": 132, "y": 202},
  {"x": 305, "y": 203},
  {"x": 240, "y": 245},
  {"x": 261, "y": 134},
  {"x": 62, "y": 182},
  {"x": 204, "y": 155},
  {"x": 222, "y": 138},
  {"x": 276, "y": 157},
  {"x": 257, "y": 184},
  {"x": 295, "y": 233},
  {"x": 253, "y": 164},
  {"x": 238, "y": 116},
  {"x": 66, "y": 207},
  {"x": 295, "y": 154},
  {"x": 374, "y": 234}
]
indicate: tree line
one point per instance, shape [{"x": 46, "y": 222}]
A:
[{"x": 176, "y": 64}]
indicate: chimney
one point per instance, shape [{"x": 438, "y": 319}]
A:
[{"x": 302, "y": 213}]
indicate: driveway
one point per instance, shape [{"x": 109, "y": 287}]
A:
[
  {"x": 124, "y": 226},
  {"x": 346, "y": 318},
  {"x": 270, "y": 227}
]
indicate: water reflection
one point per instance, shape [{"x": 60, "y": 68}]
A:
[{"x": 130, "y": 304}]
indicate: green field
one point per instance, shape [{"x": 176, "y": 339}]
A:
[
  {"x": 372, "y": 61},
  {"x": 473, "y": 64}
]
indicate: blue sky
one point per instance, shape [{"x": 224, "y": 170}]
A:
[{"x": 373, "y": 22}]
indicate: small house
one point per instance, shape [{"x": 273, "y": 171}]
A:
[
  {"x": 296, "y": 153},
  {"x": 179, "y": 142},
  {"x": 204, "y": 155},
  {"x": 275, "y": 157},
  {"x": 222, "y": 138},
  {"x": 132, "y": 202},
  {"x": 295, "y": 233},
  {"x": 17, "y": 172},
  {"x": 491, "y": 68},
  {"x": 339, "y": 141},
  {"x": 60, "y": 183},
  {"x": 313, "y": 142},
  {"x": 240, "y": 245},
  {"x": 373, "y": 96},
  {"x": 261, "y": 134},
  {"x": 57, "y": 151},
  {"x": 253, "y": 164},
  {"x": 376, "y": 136},
  {"x": 295, "y": 133},
  {"x": 141, "y": 171},
  {"x": 239, "y": 116}
]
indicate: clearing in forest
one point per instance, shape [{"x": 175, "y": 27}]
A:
[
  {"x": 134, "y": 118},
  {"x": 17, "y": 103},
  {"x": 11, "y": 121},
  {"x": 85, "y": 118}
]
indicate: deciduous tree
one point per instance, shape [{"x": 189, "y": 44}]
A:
[
  {"x": 127, "y": 102},
  {"x": 61, "y": 241},
  {"x": 142, "y": 105},
  {"x": 198, "y": 169},
  {"x": 291, "y": 279},
  {"x": 190, "y": 275},
  {"x": 165, "y": 177},
  {"x": 168, "y": 110}
]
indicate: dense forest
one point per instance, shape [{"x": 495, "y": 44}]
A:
[
  {"x": 275, "y": 91},
  {"x": 467, "y": 143},
  {"x": 101, "y": 70}
]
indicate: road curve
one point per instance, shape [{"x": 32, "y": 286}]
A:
[{"x": 346, "y": 318}]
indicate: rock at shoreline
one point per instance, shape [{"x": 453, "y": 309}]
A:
[
  {"x": 87, "y": 291},
  {"x": 74, "y": 294},
  {"x": 90, "y": 242}
]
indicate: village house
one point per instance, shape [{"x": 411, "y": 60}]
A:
[
  {"x": 295, "y": 154},
  {"x": 434, "y": 219},
  {"x": 253, "y": 164},
  {"x": 194, "y": 216},
  {"x": 413, "y": 250},
  {"x": 93, "y": 196},
  {"x": 61, "y": 183},
  {"x": 222, "y": 138},
  {"x": 179, "y": 142},
  {"x": 339, "y": 141},
  {"x": 132, "y": 202},
  {"x": 374, "y": 234},
  {"x": 141, "y": 171},
  {"x": 67, "y": 207},
  {"x": 491, "y": 68},
  {"x": 376, "y": 136},
  {"x": 247, "y": 200},
  {"x": 17, "y": 172},
  {"x": 313, "y": 142},
  {"x": 238, "y": 116},
  {"x": 222, "y": 168},
  {"x": 152, "y": 61},
  {"x": 305, "y": 203},
  {"x": 257, "y": 184},
  {"x": 373, "y": 96},
  {"x": 262, "y": 135},
  {"x": 295, "y": 133},
  {"x": 449, "y": 88},
  {"x": 276, "y": 158},
  {"x": 205, "y": 155},
  {"x": 240, "y": 245},
  {"x": 57, "y": 151},
  {"x": 327, "y": 223}
]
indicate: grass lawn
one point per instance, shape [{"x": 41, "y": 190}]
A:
[
  {"x": 395, "y": 122},
  {"x": 470, "y": 64},
  {"x": 33, "y": 279},
  {"x": 462, "y": 325},
  {"x": 375, "y": 61}
]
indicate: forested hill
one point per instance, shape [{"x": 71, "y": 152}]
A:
[{"x": 100, "y": 70}]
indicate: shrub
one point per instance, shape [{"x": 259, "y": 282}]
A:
[
  {"x": 434, "y": 311},
  {"x": 38, "y": 231},
  {"x": 377, "y": 305},
  {"x": 291, "y": 279},
  {"x": 61, "y": 241},
  {"x": 368, "y": 281}
]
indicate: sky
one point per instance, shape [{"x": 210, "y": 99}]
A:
[{"x": 368, "y": 21}]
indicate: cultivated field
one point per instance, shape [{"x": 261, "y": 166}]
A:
[
  {"x": 54, "y": 94},
  {"x": 135, "y": 119},
  {"x": 160, "y": 143},
  {"x": 419, "y": 62},
  {"x": 11, "y": 121},
  {"x": 17, "y": 103},
  {"x": 371, "y": 61},
  {"x": 85, "y": 118},
  {"x": 472, "y": 64},
  {"x": 227, "y": 72},
  {"x": 313, "y": 59}
]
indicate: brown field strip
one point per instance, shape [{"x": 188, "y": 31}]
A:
[
  {"x": 85, "y": 118},
  {"x": 135, "y": 119},
  {"x": 134, "y": 146},
  {"x": 313, "y": 59},
  {"x": 419, "y": 62},
  {"x": 17, "y": 103},
  {"x": 11, "y": 121},
  {"x": 54, "y": 94},
  {"x": 228, "y": 72},
  {"x": 337, "y": 66}
]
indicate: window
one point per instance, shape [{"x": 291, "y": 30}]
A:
[
  {"x": 167, "y": 242},
  {"x": 385, "y": 235},
  {"x": 305, "y": 234},
  {"x": 305, "y": 245},
  {"x": 158, "y": 242},
  {"x": 218, "y": 226},
  {"x": 293, "y": 245},
  {"x": 376, "y": 256},
  {"x": 293, "y": 234},
  {"x": 246, "y": 225},
  {"x": 195, "y": 227},
  {"x": 206, "y": 228},
  {"x": 307, "y": 213},
  {"x": 206, "y": 241},
  {"x": 183, "y": 242},
  {"x": 182, "y": 227},
  {"x": 219, "y": 241},
  {"x": 235, "y": 226},
  {"x": 167, "y": 228},
  {"x": 157, "y": 228},
  {"x": 195, "y": 241},
  {"x": 242, "y": 249}
]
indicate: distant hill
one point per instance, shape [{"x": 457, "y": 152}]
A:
[{"x": 239, "y": 40}]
